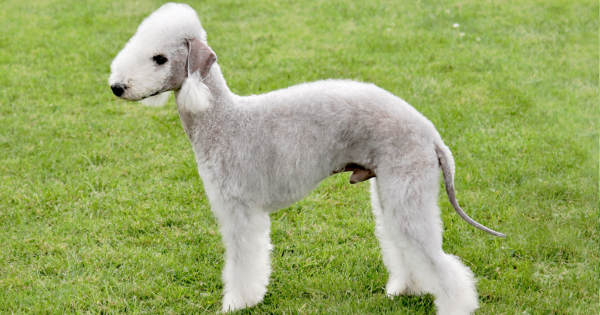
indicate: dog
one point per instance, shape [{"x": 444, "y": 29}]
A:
[{"x": 260, "y": 153}]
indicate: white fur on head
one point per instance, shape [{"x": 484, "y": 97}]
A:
[
  {"x": 172, "y": 21},
  {"x": 160, "y": 33},
  {"x": 157, "y": 100},
  {"x": 194, "y": 95}
]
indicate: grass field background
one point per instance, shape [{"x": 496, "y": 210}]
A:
[{"x": 102, "y": 210}]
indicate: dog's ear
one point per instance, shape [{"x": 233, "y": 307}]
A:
[
  {"x": 200, "y": 57},
  {"x": 194, "y": 95}
]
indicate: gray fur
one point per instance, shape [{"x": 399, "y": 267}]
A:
[{"x": 260, "y": 153}]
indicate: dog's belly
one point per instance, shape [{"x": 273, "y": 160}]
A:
[{"x": 286, "y": 194}]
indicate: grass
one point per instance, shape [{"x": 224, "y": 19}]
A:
[{"x": 102, "y": 211}]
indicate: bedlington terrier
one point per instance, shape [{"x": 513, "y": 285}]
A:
[{"x": 260, "y": 153}]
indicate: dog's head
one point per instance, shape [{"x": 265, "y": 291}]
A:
[{"x": 168, "y": 48}]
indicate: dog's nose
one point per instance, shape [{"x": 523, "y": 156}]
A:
[{"x": 118, "y": 89}]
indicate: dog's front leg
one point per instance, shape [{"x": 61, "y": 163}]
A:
[{"x": 245, "y": 233}]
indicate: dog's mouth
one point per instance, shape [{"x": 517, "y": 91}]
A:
[{"x": 153, "y": 94}]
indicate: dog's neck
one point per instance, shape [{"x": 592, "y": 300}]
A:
[
  {"x": 222, "y": 102},
  {"x": 221, "y": 96}
]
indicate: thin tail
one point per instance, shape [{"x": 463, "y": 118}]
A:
[{"x": 447, "y": 164}]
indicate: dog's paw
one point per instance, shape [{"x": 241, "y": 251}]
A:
[
  {"x": 399, "y": 286},
  {"x": 232, "y": 302},
  {"x": 395, "y": 288},
  {"x": 230, "y": 306}
]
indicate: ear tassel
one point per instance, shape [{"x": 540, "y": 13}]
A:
[
  {"x": 157, "y": 100},
  {"x": 194, "y": 95}
]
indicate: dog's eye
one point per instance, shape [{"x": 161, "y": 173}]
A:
[{"x": 160, "y": 59}]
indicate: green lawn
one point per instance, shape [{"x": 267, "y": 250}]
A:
[{"x": 102, "y": 210}]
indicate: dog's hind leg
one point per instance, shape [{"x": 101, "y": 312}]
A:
[
  {"x": 247, "y": 264},
  {"x": 399, "y": 281},
  {"x": 411, "y": 220}
]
